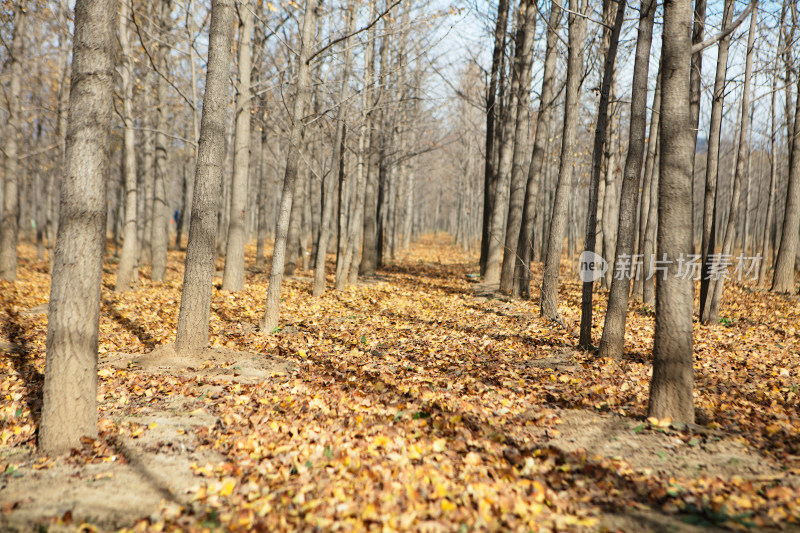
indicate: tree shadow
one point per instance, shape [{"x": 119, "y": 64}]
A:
[
  {"x": 133, "y": 327},
  {"x": 20, "y": 355}
]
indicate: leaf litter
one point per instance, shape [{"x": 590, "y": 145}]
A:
[{"x": 408, "y": 402}]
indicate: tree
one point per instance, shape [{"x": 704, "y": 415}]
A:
[
  {"x": 613, "y": 340},
  {"x": 671, "y": 388},
  {"x": 301, "y": 99},
  {"x": 490, "y": 172},
  {"x": 198, "y": 275},
  {"x": 522, "y": 272},
  {"x": 233, "y": 275},
  {"x": 9, "y": 229},
  {"x": 70, "y": 387},
  {"x": 523, "y": 62},
  {"x": 783, "y": 276},
  {"x": 708, "y": 243},
  {"x": 730, "y": 229},
  {"x": 337, "y": 161},
  {"x": 158, "y": 235},
  {"x": 127, "y": 262},
  {"x": 558, "y": 222},
  {"x": 598, "y": 152}
]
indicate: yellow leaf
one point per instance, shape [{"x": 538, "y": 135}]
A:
[{"x": 439, "y": 445}]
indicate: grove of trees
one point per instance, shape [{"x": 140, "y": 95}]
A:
[{"x": 333, "y": 134}]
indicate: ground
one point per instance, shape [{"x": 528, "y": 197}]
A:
[{"x": 418, "y": 400}]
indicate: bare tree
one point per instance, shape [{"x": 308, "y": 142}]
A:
[
  {"x": 301, "y": 99},
  {"x": 199, "y": 271},
  {"x": 708, "y": 243},
  {"x": 558, "y": 221},
  {"x": 522, "y": 271},
  {"x": 233, "y": 275},
  {"x": 128, "y": 268},
  {"x": 523, "y": 62},
  {"x": 613, "y": 339},
  {"x": 671, "y": 388},
  {"x": 730, "y": 229},
  {"x": 70, "y": 387},
  {"x": 598, "y": 151},
  {"x": 9, "y": 228}
]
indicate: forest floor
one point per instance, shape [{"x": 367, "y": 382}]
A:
[{"x": 415, "y": 401}]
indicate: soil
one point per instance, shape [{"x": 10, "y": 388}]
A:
[{"x": 151, "y": 471}]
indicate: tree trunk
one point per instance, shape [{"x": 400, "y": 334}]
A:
[
  {"x": 337, "y": 163},
  {"x": 233, "y": 275},
  {"x": 708, "y": 242},
  {"x": 695, "y": 78},
  {"x": 671, "y": 388},
  {"x": 158, "y": 238},
  {"x": 369, "y": 251},
  {"x": 644, "y": 202},
  {"x": 523, "y": 62},
  {"x": 558, "y": 221},
  {"x": 613, "y": 340},
  {"x": 773, "y": 178},
  {"x": 522, "y": 271},
  {"x": 783, "y": 276},
  {"x": 489, "y": 172},
  {"x": 127, "y": 262},
  {"x": 598, "y": 151},
  {"x": 729, "y": 237},
  {"x": 263, "y": 184},
  {"x": 649, "y": 245},
  {"x": 9, "y": 229},
  {"x": 199, "y": 271},
  {"x": 302, "y": 93},
  {"x": 70, "y": 384}
]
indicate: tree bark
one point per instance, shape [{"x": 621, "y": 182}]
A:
[
  {"x": 198, "y": 275},
  {"x": 9, "y": 229},
  {"x": 523, "y": 62},
  {"x": 233, "y": 275},
  {"x": 337, "y": 163},
  {"x": 773, "y": 178},
  {"x": 70, "y": 386},
  {"x": 613, "y": 340},
  {"x": 671, "y": 388},
  {"x": 489, "y": 172},
  {"x": 644, "y": 203},
  {"x": 522, "y": 271},
  {"x": 598, "y": 151},
  {"x": 783, "y": 276},
  {"x": 708, "y": 242},
  {"x": 158, "y": 238},
  {"x": 729, "y": 236},
  {"x": 302, "y": 95},
  {"x": 127, "y": 261},
  {"x": 558, "y": 221}
]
